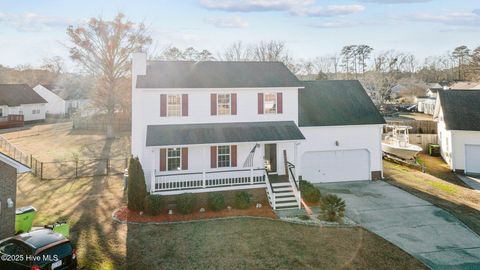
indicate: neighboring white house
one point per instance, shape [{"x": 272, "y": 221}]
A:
[
  {"x": 212, "y": 126},
  {"x": 458, "y": 116},
  {"x": 21, "y": 100},
  {"x": 63, "y": 101}
]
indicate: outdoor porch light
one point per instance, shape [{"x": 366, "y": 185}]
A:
[
  {"x": 337, "y": 143},
  {"x": 9, "y": 203}
]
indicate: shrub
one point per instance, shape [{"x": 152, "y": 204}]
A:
[
  {"x": 154, "y": 205},
  {"x": 216, "y": 201},
  {"x": 137, "y": 190},
  {"x": 186, "y": 203},
  {"x": 242, "y": 200},
  {"x": 332, "y": 207},
  {"x": 309, "y": 192}
]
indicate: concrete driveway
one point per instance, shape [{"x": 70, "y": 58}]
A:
[{"x": 427, "y": 232}]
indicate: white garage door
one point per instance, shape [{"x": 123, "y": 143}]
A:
[
  {"x": 472, "y": 155},
  {"x": 335, "y": 166}
]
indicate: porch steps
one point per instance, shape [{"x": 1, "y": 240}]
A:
[{"x": 284, "y": 196}]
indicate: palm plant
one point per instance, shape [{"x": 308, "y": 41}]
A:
[{"x": 332, "y": 207}]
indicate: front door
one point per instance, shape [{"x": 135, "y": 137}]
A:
[{"x": 271, "y": 157}]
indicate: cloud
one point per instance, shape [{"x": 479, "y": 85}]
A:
[
  {"x": 330, "y": 11},
  {"x": 32, "y": 22},
  {"x": 342, "y": 24},
  {"x": 453, "y": 18},
  {"x": 396, "y": 1},
  {"x": 293, "y": 7},
  {"x": 254, "y": 5},
  {"x": 228, "y": 22}
]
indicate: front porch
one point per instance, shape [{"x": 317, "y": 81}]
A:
[{"x": 239, "y": 159}]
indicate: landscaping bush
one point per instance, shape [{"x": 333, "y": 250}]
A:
[
  {"x": 154, "y": 205},
  {"x": 309, "y": 192},
  {"x": 332, "y": 207},
  {"x": 137, "y": 190},
  {"x": 186, "y": 203},
  {"x": 216, "y": 201},
  {"x": 242, "y": 200}
]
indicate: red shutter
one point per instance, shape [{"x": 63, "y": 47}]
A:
[
  {"x": 260, "y": 103},
  {"x": 185, "y": 158},
  {"x": 279, "y": 103},
  {"x": 213, "y": 156},
  {"x": 163, "y": 105},
  {"x": 184, "y": 105},
  {"x": 233, "y": 155},
  {"x": 163, "y": 159},
  {"x": 213, "y": 104},
  {"x": 234, "y": 104}
]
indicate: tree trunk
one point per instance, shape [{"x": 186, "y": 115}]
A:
[{"x": 110, "y": 120}]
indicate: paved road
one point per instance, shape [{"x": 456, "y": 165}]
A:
[{"x": 429, "y": 233}]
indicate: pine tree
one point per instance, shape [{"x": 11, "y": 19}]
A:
[{"x": 137, "y": 190}]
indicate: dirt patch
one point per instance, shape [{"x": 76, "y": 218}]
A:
[{"x": 125, "y": 215}]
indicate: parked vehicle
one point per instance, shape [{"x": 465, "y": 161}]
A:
[{"x": 37, "y": 250}]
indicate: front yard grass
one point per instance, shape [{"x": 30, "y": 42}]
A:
[
  {"x": 260, "y": 244},
  {"x": 87, "y": 204},
  {"x": 440, "y": 187}
]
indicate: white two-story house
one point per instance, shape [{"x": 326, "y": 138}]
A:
[{"x": 215, "y": 126}]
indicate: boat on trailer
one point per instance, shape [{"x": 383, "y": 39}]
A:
[{"x": 397, "y": 144}]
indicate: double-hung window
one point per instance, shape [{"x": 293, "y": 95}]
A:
[
  {"x": 174, "y": 159},
  {"x": 270, "y": 103},
  {"x": 174, "y": 105},
  {"x": 223, "y": 156},
  {"x": 224, "y": 104}
]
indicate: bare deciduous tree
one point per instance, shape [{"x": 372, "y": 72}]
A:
[{"x": 104, "y": 48}]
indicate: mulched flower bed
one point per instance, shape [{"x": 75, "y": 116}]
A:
[{"x": 125, "y": 215}]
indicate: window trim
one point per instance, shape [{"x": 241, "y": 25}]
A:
[
  {"x": 229, "y": 103},
  {"x": 179, "y": 105},
  {"x": 275, "y": 102},
  {"x": 168, "y": 157},
  {"x": 229, "y": 156}
]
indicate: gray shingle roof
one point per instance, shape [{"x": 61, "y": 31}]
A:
[
  {"x": 216, "y": 74},
  {"x": 336, "y": 103},
  {"x": 17, "y": 94},
  {"x": 461, "y": 109},
  {"x": 165, "y": 135}
]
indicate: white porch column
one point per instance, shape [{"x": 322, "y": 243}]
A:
[
  {"x": 295, "y": 158},
  {"x": 204, "y": 158},
  {"x": 153, "y": 171}
]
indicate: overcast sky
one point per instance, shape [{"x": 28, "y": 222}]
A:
[{"x": 32, "y": 29}]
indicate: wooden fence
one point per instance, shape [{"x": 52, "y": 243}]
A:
[
  {"x": 418, "y": 126},
  {"x": 423, "y": 140}
]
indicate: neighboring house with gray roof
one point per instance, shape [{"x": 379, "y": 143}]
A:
[
  {"x": 458, "y": 116},
  {"x": 216, "y": 126},
  {"x": 22, "y": 102},
  {"x": 62, "y": 101}
]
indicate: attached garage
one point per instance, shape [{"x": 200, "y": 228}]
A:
[
  {"x": 472, "y": 159},
  {"x": 335, "y": 166}
]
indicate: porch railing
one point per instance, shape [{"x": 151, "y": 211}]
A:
[
  {"x": 200, "y": 180},
  {"x": 294, "y": 183}
]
